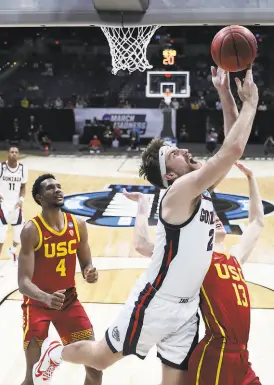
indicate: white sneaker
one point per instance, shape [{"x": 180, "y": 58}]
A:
[
  {"x": 12, "y": 254},
  {"x": 43, "y": 370}
]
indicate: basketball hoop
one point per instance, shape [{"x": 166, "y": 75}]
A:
[
  {"x": 128, "y": 47},
  {"x": 168, "y": 97}
]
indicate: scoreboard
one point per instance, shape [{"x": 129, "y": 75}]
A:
[{"x": 169, "y": 57}]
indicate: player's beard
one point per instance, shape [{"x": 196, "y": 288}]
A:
[{"x": 59, "y": 204}]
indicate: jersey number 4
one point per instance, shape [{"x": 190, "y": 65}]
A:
[
  {"x": 61, "y": 267},
  {"x": 210, "y": 242}
]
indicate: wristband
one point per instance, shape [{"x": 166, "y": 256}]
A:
[{"x": 22, "y": 199}]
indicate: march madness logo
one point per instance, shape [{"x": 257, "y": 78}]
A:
[
  {"x": 110, "y": 208},
  {"x": 128, "y": 121}
]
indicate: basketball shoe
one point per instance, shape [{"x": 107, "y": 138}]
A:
[{"x": 50, "y": 360}]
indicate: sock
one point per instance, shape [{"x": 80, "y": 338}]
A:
[
  {"x": 13, "y": 249},
  {"x": 13, "y": 252}
]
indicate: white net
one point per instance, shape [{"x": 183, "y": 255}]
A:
[
  {"x": 168, "y": 96},
  {"x": 128, "y": 47}
]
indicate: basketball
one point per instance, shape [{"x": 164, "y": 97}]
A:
[{"x": 234, "y": 48}]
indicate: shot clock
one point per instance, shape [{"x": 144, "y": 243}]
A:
[{"x": 169, "y": 57}]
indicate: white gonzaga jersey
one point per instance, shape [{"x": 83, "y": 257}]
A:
[
  {"x": 182, "y": 253},
  {"x": 11, "y": 180}
]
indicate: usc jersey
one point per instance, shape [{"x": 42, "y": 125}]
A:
[
  {"x": 225, "y": 302},
  {"x": 55, "y": 256}
]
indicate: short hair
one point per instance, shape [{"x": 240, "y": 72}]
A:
[
  {"x": 37, "y": 185},
  {"x": 13, "y": 146},
  {"x": 150, "y": 166}
]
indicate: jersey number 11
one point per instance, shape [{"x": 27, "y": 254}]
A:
[{"x": 12, "y": 186}]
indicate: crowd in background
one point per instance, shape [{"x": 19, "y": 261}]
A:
[
  {"x": 68, "y": 68},
  {"x": 71, "y": 68}
]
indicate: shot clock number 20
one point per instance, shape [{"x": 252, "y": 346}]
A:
[{"x": 169, "y": 57}]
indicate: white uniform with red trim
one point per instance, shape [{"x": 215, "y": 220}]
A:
[
  {"x": 11, "y": 180},
  {"x": 162, "y": 307}
]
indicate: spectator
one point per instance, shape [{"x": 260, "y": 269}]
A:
[
  {"x": 70, "y": 105},
  {"x": 202, "y": 103},
  {"x": 262, "y": 107},
  {"x": 269, "y": 145},
  {"x": 94, "y": 145},
  {"x": 44, "y": 140},
  {"x": 211, "y": 141},
  {"x": 108, "y": 136},
  {"x": 33, "y": 132},
  {"x": 48, "y": 70},
  {"x": 16, "y": 123},
  {"x": 175, "y": 104},
  {"x": 133, "y": 140},
  {"x": 80, "y": 103},
  {"x": 24, "y": 103},
  {"x": 47, "y": 103},
  {"x": 2, "y": 102},
  {"x": 115, "y": 143},
  {"x": 116, "y": 132},
  {"x": 162, "y": 104},
  {"x": 127, "y": 105},
  {"x": 59, "y": 103},
  {"x": 183, "y": 104},
  {"x": 16, "y": 136},
  {"x": 183, "y": 136},
  {"x": 218, "y": 105},
  {"x": 195, "y": 106}
]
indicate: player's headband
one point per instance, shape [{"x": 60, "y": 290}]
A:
[{"x": 162, "y": 162}]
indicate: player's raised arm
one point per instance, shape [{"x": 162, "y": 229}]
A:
[
  {"x": 255, "y": 221},
  {"x": 142, "y": 242},
  {"x": 221, "y": 82},
  {"x": 26, "y": 260},
  {"x": 84, "y": 255},
  {"x": 191, "y": 185}
]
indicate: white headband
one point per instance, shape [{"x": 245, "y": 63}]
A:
[{"x": 162, "y": 162}]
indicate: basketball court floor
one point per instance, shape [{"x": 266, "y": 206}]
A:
[{"x": 93, "y": 188}]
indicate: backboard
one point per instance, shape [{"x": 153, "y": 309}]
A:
[{"x": 174, "y": 82}]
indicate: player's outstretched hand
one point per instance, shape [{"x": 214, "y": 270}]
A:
[
  {"x": 133, "y": 196},
  {"x": 91, "y": 274},
  {"x": 56, "y": 300},
  {"x": 248, "y": 91},
  {"x": 220, "y": 79},
  {"x": 247, "y": 171}
]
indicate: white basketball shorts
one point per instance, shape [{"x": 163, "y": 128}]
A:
[
  {"x": 149, "y": 318},
  {"x": 11, "y": 217}
]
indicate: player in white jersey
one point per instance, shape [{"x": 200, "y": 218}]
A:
[
  {"x": 13, "y": 179},
  {"x": 161, "y": 309}
]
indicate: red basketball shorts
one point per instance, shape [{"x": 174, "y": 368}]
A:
[
  {"x": 71, "y": 323},
  {"x": 220, "y": 365}
]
